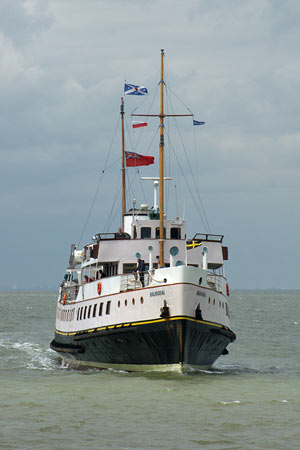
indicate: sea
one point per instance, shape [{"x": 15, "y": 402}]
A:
[{"x": 249, "y": 400}]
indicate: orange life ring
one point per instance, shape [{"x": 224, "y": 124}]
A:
[
  {"x": 64, "y": 299},
  {"x": 99, "y": 288}
]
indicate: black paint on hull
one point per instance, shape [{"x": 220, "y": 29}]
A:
[{"x": 183, "y": 341}]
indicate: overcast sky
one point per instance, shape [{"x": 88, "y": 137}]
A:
[{"x": 235, "y": 63}]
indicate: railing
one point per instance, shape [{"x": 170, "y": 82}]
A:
[
  {"x": 208, "y": 237},
  {"x": 69, "y": 293},
  {"x": 215, "y": 282},
  {"x": 134, "y": 280}
]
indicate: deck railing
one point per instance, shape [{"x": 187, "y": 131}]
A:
[
  {"x": 215, "y": 281},
  {"x": 135, "y": 280}
]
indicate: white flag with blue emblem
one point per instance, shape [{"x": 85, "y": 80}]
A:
[{"x": 132, "y": 89}]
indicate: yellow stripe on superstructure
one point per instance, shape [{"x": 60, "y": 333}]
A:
[{"x": 141, "y": 323}]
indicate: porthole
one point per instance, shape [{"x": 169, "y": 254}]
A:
[
  {"x": 142, "y": 300},
  {"x": 214, "y": 302},
  {"x": 125, "y": 302},
  {"x": 208, "y": 299},
  {"x": 119, "y": 303},
  {"x": 200, "y": 281},
  {"x": 133, "y": 301}
]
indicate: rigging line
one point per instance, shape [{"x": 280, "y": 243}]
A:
[
  {"x": 129, "y": 189},
  {"x": 99, "y": 183},
  {"x": 149, "y": 109},
  {"x": 119, "y": 208},
  {"x": 172, "y": 92},
  {"x": 129, "y": 184},
  {"x": 117, "y": 192},
  {"x": 176, "y": 197},
  {"x": 195, "y": 153},
  {"x": 191, "y": 193},
  {"x": 142, "y": 187},
  {"x": 192, "y": 174}
]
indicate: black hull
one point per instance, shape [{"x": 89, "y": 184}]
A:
[{"x": 163, "y": 342}]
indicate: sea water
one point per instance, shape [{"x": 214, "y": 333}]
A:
[{"x": 249, "y": 400}]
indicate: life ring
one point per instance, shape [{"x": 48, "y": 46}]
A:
[
  {"x": 99, "y": 288},
  {"x": 227, "y": 290},
  {"x": 64, "y": 299}
]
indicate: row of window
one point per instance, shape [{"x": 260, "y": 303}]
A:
[
  {"x": 85, "y": 312},
  {"x": 132, "y": 301},
  {"x": 221, "y": 305},
  {"x": 175, "y": 233},
  {"x": 65, "y": 315}
]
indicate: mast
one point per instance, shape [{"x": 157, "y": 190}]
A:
[
  {"x": 161, "y": 116},
  {"x": 123, "y": 164},
  {"x": 161, "y": 164}
]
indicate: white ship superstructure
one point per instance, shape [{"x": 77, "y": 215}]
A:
[{"x": 172, "y": 315}]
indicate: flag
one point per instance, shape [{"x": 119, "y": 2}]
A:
[
  {"x": 193, "y": 244},
  {"x": 132, "y": 89},
  {"x": 196, "y": 122},
  {"x": 134, "y": 159},
  {"x": 139, "y": 124}
]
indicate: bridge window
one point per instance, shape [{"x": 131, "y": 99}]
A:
[
  {"x": 157, "y": 233},
  {"x": 146, "y": 233},
  {"x": 129, "y": 267},
  {"x": 175, "y": 233}
]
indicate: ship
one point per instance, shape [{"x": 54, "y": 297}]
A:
[{"x": 145, "y": 297}]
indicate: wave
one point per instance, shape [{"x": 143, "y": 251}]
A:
[{"x": 30, "y": 355}]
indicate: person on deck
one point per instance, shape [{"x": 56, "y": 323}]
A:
[{"x": 141, "y": 269}]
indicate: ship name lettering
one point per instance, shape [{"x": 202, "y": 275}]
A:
[
  {"x": 202, "y": 294},
  {"x": 153, "y": 294}
]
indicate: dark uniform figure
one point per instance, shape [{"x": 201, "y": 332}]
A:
[{"x": 141, "y": 269}]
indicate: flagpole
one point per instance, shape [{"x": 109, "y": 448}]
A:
[
  {"x": 123, "y": 164},
  {"x": 161, "y": 162}
]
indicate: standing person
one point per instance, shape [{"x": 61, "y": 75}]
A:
[{"x": 141, "y": 269}]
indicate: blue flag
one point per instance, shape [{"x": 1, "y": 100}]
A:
[
  {"x": 132, "y": 89},
  {"x": 195, "y": 122}
]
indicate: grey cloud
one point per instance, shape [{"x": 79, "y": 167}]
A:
[{"x": 20, "y": 20}]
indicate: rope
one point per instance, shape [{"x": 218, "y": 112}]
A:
[
  {"x": 206, "y": 224},
  {"x": 99, "y": 184}
]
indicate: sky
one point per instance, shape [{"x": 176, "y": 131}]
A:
[{"x": 234, "y": 63}]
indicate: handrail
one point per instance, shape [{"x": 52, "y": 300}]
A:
[{"x": 208, "y": 237}]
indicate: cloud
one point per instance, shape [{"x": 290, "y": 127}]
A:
[
  {"x": 62, "y": 68},
  {"x": 21, "y": 20}
]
